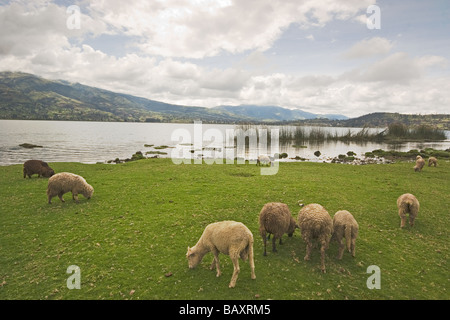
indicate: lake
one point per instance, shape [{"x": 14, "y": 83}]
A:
[{"x": 92, "y": 142}]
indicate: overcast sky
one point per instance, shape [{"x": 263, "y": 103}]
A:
[{"x": 319, "y": 56}]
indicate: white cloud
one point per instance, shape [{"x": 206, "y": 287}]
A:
[
  {"x": 197, "y": 29},
  {"x": 368, "y": 48}
]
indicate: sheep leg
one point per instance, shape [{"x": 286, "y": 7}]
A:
[
  {"x": 309, "y": 244},
  {"x": 75, "y": 196},
  {"x": 353, "y": 247},
  {"x": 234, "y": 257},
  {"x": 215, "y": 263},
  {"x": 341, "y": 249},
  {"x": 263, "y": 235},
  {"x": 274, "y": 246},
  {"x": 322, "y": 257},
  {"x": 60, "y": 196},
  {"x": 411, "y": 220},
  {"x": 50, "y": 199},
  {"x": 308, "y": 250},
  {"x": 251, "y": 260},
  {"x": 403, "y": 218}
]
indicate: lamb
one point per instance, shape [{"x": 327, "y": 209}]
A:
[
  {"x": 419, "y": 164},
  {"x": 315, "y": 224},
  {"x": 64, "y": 182},
  {"x": 263, "y": 159},
  {"x": 38, "y": 167},
  {"x": 229, "y": 237},
  {"x": 275, "y": 218},
  {"x": 407, "y": 203},
  {"x": 345, "y": 225},
  {"x": 432, "y": 161}
]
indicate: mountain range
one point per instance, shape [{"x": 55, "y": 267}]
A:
[{"x": 27, "y": 96}]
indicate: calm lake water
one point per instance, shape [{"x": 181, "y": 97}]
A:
[{"x": 91, "y": 142}]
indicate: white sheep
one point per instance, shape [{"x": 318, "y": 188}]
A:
[
  {"x": 419, "y": 164},
  {"x": 275, "y": 218},
  {"x": 345, "y": 226},
  {"x": 64, "y": 182},
  {"x": 432, "y": 161},
  {"x": 263, "y": 159},
  {"x": 315, "y": 224},
  {"x": 229, "y": 237},
  {"x": 407, "y": 204}
]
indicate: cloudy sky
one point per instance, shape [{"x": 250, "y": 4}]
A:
[{"x": 321, "y": 56}]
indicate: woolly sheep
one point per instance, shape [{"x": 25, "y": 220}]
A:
[
  {"x": 407, "y": 204},
  {"x": 432, "y": 161},
  {"x": 275, "y": 218},
  {"x": 229, "y": 237},
  {"x": 263, "y": 159},
  {"x": 315, "y": 224},
  {"x": 38, "y": 167},
  {"x": 64, "y": 182},
  {"x": 345, "y": 226},
  {"x": 419, "y": 164}
]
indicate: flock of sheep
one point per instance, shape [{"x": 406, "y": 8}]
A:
[
  {"x": 234, "y": 238},
  {"x": 315, "y": 223}
]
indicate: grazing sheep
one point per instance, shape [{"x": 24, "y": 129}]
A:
[
  {"x": 38, "y": 167},
  {"x": 407, "y": 203},
  {"x": 345, "y": 226},
  {"x": 419, "y": 164},
  {"x": 315, "y": 224},
  {"x": 432, "y": 161},
  {"x": 263, "y": 159},
  {"x": 229, "y": 237},
  {"x": 64, "y": 182},
  {"x": 275, "y": 218}
]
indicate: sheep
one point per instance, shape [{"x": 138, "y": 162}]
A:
[
  {"x": 432, "y": 161},
  {"x": 229, "y": 237},
  {"x": 315, "y": 224},
  {"x": 345, "y": 226},
  {"x": 64, "y": 182},
  {"x": 38, "y": 167},
  {"x": 407, "y": 203},
  {"x": 275, "y": 218},
  {"x": 263, "y": 159},
  {"x": 419, "y": 164}
]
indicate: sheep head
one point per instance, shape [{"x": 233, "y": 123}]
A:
[
  {"x": 193, "y": 257},
  {"x": 88, "y": 192},
  {"x": 47, "y": 173}
]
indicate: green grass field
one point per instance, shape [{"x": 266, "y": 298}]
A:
[{"x": 131, "y": 237}]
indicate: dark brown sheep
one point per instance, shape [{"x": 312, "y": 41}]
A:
[
  {"x": 275, "y": 218},
  {"x": 38, "y": 167}
]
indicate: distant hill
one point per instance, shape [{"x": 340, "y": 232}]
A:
[
  {"x": 26, "y": 96},
  {"x": 383, "y": 119},
  {"x": 274, "y": 113}
]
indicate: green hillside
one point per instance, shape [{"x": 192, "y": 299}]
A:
[{"x": 26, "y": 96}]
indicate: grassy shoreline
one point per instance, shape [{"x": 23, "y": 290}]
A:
[{"x": 130, "y": 239}]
